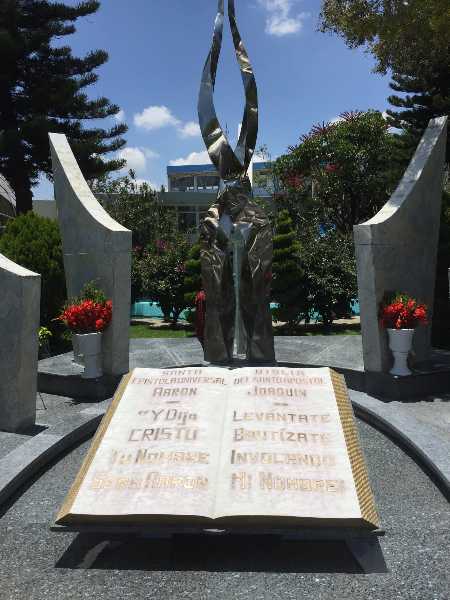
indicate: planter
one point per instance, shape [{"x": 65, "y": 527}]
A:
[
  {"x": 89, "y": 351},
  {"x": 400, "y": 343}
]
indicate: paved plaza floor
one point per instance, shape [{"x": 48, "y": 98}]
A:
[{"x": 36, "y": 563}]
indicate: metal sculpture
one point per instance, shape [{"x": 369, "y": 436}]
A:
[{"x": 234, "y": 218}]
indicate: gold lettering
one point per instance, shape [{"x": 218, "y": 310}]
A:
[{"x": 241, "y": 480}]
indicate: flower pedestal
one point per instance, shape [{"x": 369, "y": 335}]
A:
[
  {"x": 400, "y": 343},
  {"x": 89, "y": 351}
]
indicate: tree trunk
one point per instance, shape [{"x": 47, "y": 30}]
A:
[
  {"x": 166, "y": 309},
  {"x": 22, "y": 189},
  {"x": 16, "y": 170}
]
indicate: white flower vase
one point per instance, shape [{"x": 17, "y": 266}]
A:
[
  {"x": 90, "y": 352},
  {"x": 77, "y": 359},
  {"x": 400, "y": 343}
]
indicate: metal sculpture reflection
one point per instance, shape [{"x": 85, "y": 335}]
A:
[{"x": 234, "y": 218}]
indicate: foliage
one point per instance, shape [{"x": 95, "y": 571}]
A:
[
  {"x": 410, "y": 39},
  {"x": 402, "y": 35},
  {"x": 343, "y": 168},
  {"x": 400, "y": 311},
  {"x": 146, "y": 331},
  {"x": 287, "y": 283},
  {"x": 35, "y": 243},
  {"x": 42, "y": 89},
  {"x": 135, "y": 206},
  {"x": 192, "y": 275},
  {"x": 87, "y": 316},
  {"x": 44, "y": 335},
  {"x": 136, "y": 281},
  {"x": 424, "y": 97},
  {"x": 162, "y": 274},
  {"x": 330, "y": 267},
  {"x": 90, "y": 291}
]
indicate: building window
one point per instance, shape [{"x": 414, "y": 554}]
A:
[
  {"x": 187, "y": 218},
  {"x": 263, "y": 184},
  {"x": 183, "y": 184},
  {"x": 207, "y": 183}
]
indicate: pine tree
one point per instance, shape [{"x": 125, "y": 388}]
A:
[
  {"x": 426, "y": 96},
  {"x": 42, "y": 89},
  {"x": 287, "y": 282}
]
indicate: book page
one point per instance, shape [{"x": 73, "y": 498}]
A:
[
  {"x": 283, "y": 448},
  {"x": 160, "y": 452}
]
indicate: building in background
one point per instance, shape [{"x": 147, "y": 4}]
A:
[
  {"x": 191, "y": 189},
  {"x": 262, "y": 178}
]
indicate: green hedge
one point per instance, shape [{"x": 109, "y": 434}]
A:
[{"x": 34, "y": 242}]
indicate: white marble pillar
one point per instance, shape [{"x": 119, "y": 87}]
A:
[
  {"x": 20, "y": 294},
  {"x": 396, "y": 250},
  {"x": 96, "y": 248}
]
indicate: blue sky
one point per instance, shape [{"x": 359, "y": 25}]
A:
[{"x": 157, "y": 49}]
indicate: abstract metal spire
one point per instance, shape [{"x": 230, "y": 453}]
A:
[{"x": 231, "y": 164}]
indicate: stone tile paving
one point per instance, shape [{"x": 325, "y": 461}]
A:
[
  {"x": 432, "y": 412},
  {"x": 10, "y": 441},
  {"x": 335, "y": 351},
  {"x": 36, "y": 563},
  {"x": 49, "y": 411}
]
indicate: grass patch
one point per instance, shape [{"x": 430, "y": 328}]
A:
[
  {"x": 141, "y": 330},
  {"x": 320, "y": 329},
  {"x": 144, "y": 330}
]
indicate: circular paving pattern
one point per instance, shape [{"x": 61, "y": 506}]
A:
[{"x": 36, "y": 563}]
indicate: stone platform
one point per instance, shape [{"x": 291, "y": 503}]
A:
[
  {"x": 36, "y": 563},
  {"x": 59, "y": 375},
  {"x": 38, "y": 468}
]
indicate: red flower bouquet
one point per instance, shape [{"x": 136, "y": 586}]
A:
[
  {"x": 402, "y": 312},
  {"x": 87, "y": 316}
]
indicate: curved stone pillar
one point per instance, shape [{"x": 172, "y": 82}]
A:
[
  {"x": 396, "y": 249},
  {"x": 20, "y": 295},
  {"x": 96, "y": 248}
]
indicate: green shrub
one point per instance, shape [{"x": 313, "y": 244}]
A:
[
  {"x": 162, "y": 275},
  {"x": 34, "y": 242},
  {"x": 192, "y": 275},
  {"x": 287, "y": 282}
]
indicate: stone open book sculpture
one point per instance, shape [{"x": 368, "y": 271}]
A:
[
  {"x": 234, "y": 217},
  {"x": 208, "y": 447}
]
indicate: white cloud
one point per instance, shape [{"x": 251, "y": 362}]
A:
[
  {"x": 137, "y": 157},
  {"x": 150, "y": 153},
  {"x": 280, "y": 21},
  {"x": 194, "y": 158},
  {"x": 155, "y": 117},
  {"x": 120, "y": 116},
  {"x": 337, "y": 119},
  {"x": 189, "y": 129}
]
